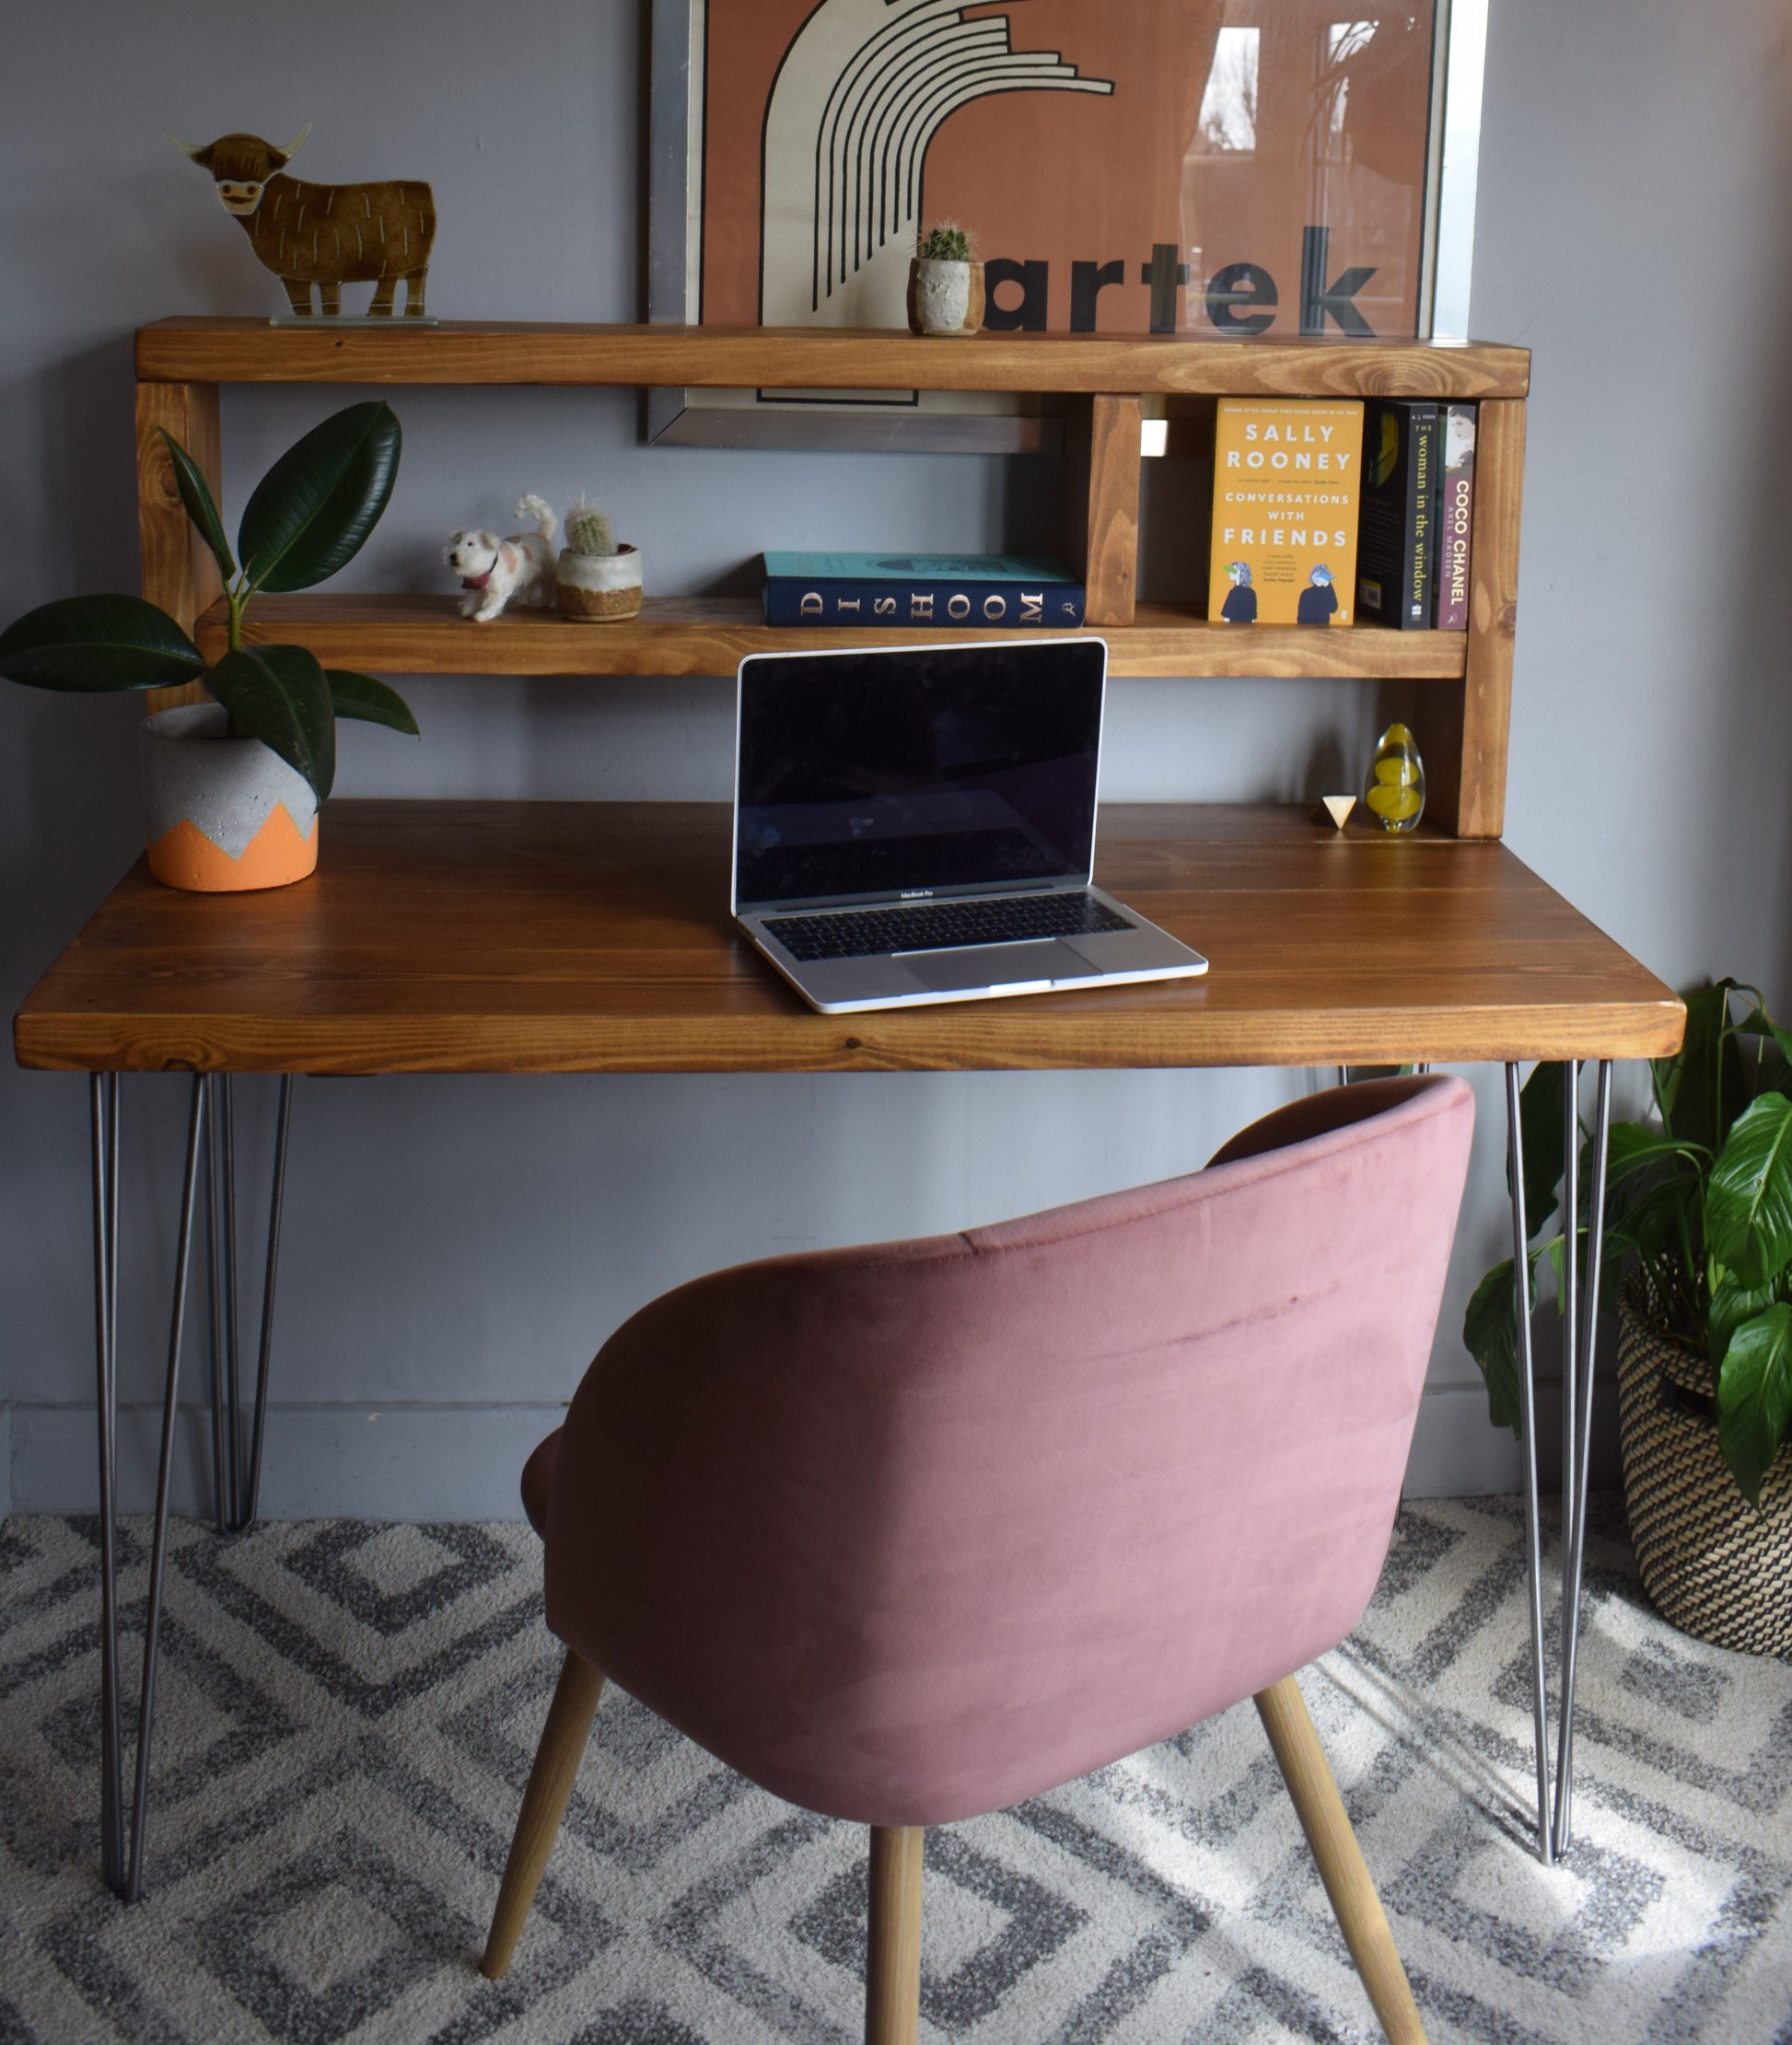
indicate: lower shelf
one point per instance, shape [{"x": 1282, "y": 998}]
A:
[{"x": 709, "y": 635}]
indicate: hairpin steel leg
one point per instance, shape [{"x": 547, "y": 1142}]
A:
[
  {"x": 159, "y": 1552},
  {"x": 214, "y": 1257},
  {"x": 103, "y": 1106},
  {"x": 1570, "y": 1303},
  {"x": 227, "y": 1137},
  {"x": 277, "y": 1200},
  {"x": 1528, "y": 1413},
  {"x": 1577, "y": 1449}
]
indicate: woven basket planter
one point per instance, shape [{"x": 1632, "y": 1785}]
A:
[{"x": 1714, "y": 1567}]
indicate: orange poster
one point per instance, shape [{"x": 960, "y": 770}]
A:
[{"x": 1260, "y": 163}]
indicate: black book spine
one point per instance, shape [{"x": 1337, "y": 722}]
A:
[
  {"x": 1427, "y": 475},
  {"x": 1396, "y": 557}
]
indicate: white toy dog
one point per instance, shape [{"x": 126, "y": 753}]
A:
[{"x": 493, "y": 571}]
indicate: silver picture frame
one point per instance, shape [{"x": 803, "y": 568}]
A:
[{"x": 968, "y": 421}]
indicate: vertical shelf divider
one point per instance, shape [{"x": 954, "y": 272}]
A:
[
  {"x": 1101, "y": 502},
  {"x": 1471, "y": 723},
  {"x": 179, "y": 572}
]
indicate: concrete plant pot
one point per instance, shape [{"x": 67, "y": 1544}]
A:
[
  {"x": 945, "y": 298},
  {"x": 223, "y": 813},
  {"x": 598, "y": 589}
]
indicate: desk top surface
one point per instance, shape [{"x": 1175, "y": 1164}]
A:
[{"x": 463, "y": 936}]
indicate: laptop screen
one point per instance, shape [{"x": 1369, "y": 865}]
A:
[{"x": 932, "y": 770}]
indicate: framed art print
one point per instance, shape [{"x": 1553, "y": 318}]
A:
[{"x": 1220, "y": 166}]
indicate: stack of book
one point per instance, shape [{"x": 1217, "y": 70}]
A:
[
  {"x": 1321, "y": 501},
  {"x": 1418, "y": 499}
]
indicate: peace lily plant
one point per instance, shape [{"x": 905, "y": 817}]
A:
[
  {"x": 1699, "y": 1204},
  {"x": 307, "y": 517}
]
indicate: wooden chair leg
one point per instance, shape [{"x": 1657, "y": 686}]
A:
[
  {"x": 544, "y": 1803},
  {"x": 892, "y": 1973},
  {"x": 1341, "y": 1865}
]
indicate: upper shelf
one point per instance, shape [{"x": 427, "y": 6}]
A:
[{"x": 819, "y": 358}]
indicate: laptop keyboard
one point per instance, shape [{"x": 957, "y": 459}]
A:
[{"x": 937, "y": 926}]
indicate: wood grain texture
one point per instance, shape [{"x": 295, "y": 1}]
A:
[
  {"x": 1101, "y": 504},
  {"x": 561, "y": 1747},
  {"x": 1339, "y": 1859},
  {"x": 453, "y": 937},
  {"x": 179, "y": 572},
  {"x": 892, "y": 1971},
  {"x": 709, "y": 635},
  {"x": 1465, "y": 753},
  {"x": 514, "y": 351}
]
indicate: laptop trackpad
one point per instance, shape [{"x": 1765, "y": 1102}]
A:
[{"x": 1044, "y": 962}]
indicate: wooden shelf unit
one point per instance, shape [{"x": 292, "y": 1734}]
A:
[{"x": 181, "y": 363}]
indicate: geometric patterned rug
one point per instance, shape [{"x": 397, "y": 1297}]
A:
[{"x": 347, "y": 1712}]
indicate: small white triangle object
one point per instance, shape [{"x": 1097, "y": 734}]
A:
[{"x": 1338, "y": 808}]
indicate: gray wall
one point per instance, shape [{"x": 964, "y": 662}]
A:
[{"x": 456, "y": 1249}]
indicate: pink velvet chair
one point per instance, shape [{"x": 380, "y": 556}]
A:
[{"x": 913, "y": 1532}]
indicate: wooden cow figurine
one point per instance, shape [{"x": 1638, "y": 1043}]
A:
[{"x": 323, "y": 235}]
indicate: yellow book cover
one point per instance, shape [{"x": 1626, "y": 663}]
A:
[{"x": 1286, "y": 493}]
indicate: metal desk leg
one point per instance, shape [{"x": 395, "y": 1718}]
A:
[
  {"x": 103, "y": 1104},
  {"x": 237, "y": 1455},
  {"x": 276, "y": 1206},
  {"x": 159, "y": 1551},
  {"x": 1576, "y": 1456},
  {"x": 221, "y": 1212},
  {"x": 1528, "y": 1413}
]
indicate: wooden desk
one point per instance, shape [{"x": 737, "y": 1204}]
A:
[{"x": 445, "y": 937}]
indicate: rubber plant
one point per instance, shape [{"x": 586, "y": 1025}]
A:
[
  {"x": 307, "y": 517},
  {"x": 1699, "y": 1197}
]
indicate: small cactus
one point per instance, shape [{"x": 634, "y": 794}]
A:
[
  {"x": 589, "y": 530},
  {"x": 945, "y": 241}
]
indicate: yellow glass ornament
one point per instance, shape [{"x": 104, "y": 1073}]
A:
[{"x": 1396, "y": 781}]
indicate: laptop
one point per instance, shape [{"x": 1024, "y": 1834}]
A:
[{"x": 917, "y": 824}]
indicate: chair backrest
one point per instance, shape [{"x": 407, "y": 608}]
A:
[{"x": 915, "y": 1531}]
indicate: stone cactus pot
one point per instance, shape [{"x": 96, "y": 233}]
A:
[
  {"x": 945, "y": 298},
  {"x": 223, "y": 813},
  {"x": 598, "y": 589}
]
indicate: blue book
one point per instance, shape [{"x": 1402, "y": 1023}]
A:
[{"x": 994, "y": 592}]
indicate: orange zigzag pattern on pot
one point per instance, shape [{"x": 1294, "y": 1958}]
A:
[{"x": 185, "y": 857}]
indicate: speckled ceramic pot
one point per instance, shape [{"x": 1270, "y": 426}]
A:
[
  {"x": 223, "y": 813},
  {"x": 945, "y": 298},
  {"x": 598, "y": 589}
]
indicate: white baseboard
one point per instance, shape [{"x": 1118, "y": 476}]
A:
[
  {"x": 1459, "y": 1453},
  {"x": 321, "y": 1463},
  {"x": 463, "y": 1463}
]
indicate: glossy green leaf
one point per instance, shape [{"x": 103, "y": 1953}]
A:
[
  {"x": 1759, "y": 1025},
  {"x": 1755, "y": 1397},
  {"x": 1490, "y": 1329},
  {"x": 1733, "y": 1303},
  {"x": 278, "y": 694},
  {"x": 1542, "y": 1102},
  {"x": 196, "y": 495},
  {"x": 1633, "y": 1148},
  {"x": 372, "y": 702},
  {"x": 1749, "y": 1200},
  {"x": 313, "y": 509},
  {"x": 96, "y": 644},
  {"x": 1702, "y": 1088}
]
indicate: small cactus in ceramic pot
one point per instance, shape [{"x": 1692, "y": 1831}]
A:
[
  {"x": 597, "y": 580},
  {"x": 946, "y": 284}
]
